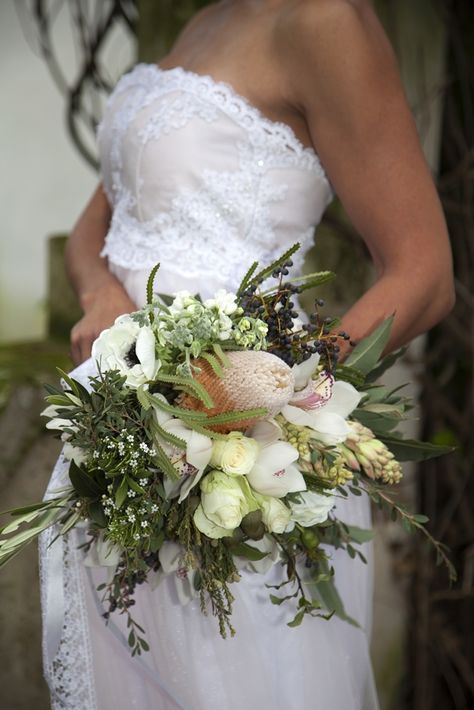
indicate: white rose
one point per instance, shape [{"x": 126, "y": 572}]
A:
[
  {"x": 275, "y": 514},
  {"x": 225, "y": 499},
  {"x": 207, "y": 527},
  {"x": 312, "y": 508},
  {"x": 235, "y": 456},
  {"x": 128, "y": 348}
]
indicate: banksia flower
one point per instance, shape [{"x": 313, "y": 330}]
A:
[
  {"x": 376, "y": 460},
  {"x": 254, "y": 379}
]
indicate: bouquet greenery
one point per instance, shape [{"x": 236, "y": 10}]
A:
[{"x": 218, "y": 434}]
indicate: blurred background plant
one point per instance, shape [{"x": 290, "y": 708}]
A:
[{"x": 423, "y": 641}]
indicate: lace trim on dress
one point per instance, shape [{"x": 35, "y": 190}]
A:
[
  {"x": 69, "y": 674},
  {"x": 242, "y": 111},
  {"x": 189, "y": 235}
]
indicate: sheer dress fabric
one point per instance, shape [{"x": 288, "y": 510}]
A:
[{"x": 199, "y": 180}]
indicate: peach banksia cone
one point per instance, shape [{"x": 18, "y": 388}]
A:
[{"x": 254, "y": 379}]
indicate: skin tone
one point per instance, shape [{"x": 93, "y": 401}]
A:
[{"x": 326, "y": 68}]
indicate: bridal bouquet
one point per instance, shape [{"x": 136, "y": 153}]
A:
[{"x": 218, "y": 435}]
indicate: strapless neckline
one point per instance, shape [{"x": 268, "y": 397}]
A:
[{"x": 206, "y": 79}]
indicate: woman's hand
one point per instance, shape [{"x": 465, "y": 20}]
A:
[{"x": 101, "y": 308}]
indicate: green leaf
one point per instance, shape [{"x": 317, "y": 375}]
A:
[
  {"x": 359, "y": 535},
  {"x": 298, "y": 619},
  {"x": 385, "y": 364},
  {"x": 380, "y": 424},
  {"x": 70, "y": 522},
  {"x": 313, "y": 280},
  {"x": 350, "y": 374},
  {"x": 121, "y": 493},
  {"x": 235, "y": 416},
  {"x": 166, "y": 298},
  {"x": 414, "y": 450},
  {"x": 267, "y": 271},
  {"x": 246, "y": 280},
  {"x": 221, "y": 355},
  {"x": 188, "y": 383},
  {"x": 164, "y": 463},
  {"x": 97, "y": 515},
  {"x": 150, "y": 283},
  {"x": 83, "y": 483},
  {"x": 53, "y": 503},
  {"x": 143, "y": 398},
  {"x": 76, "y": 387},
  {"x": 367, "y": 353},
  {"x": 214, "y": 363},
  {"x": 241, "y": 549},
  {"x": 329, "y": 596}
]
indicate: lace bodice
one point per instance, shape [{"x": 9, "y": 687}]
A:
[{"x": 200, "y": 180}]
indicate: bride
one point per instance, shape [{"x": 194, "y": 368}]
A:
[{"x": 228, "y": 152}]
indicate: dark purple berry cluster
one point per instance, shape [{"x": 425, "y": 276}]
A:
[{"x": 277, "y": 307}]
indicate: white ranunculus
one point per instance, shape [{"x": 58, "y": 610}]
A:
[
  {"x": 275, "y": 514},
  {"x": 224, "y": 301},
  {"x": 274, "y": 472},
  {"x": 128, "y": 348},
  {"x": 226, "y": 499},
  {"x": 312, "y": 508},
  {"x": 236, "y": 455}
]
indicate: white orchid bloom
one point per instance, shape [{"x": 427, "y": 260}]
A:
[
  {"x": 321, "y": 405},
  {"x": 73, "y": 453},
  {"x": 190, "y": 462},
  {"x": 267, "y": 545},
  {"x": 274, "y": 472},
  {"x": 171, "y": 556},
  {"x": 129, "y": 348}
]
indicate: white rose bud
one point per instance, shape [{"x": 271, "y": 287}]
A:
[
  {"x": 225, "y": 500},
  {"x": 236, "y": 456}
]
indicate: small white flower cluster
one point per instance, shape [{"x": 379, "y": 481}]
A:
[
  {"x": 132, "y": 522},
  {"x": 132, "y": 456}
]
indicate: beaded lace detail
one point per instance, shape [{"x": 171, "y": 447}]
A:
[
  {"x": 69, "y": 673},
  {"x": 204, "y": 227}
]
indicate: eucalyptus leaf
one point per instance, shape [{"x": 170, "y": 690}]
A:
[
  {"x": 380, "y": 424},
  {"x": 414, "y": 450},
  {"x": 241, "y": 549},
  {"x": 385, "y": 364},
  {"x": 368, "y": 351}
]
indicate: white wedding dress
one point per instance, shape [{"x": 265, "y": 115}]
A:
[{"x": 202, "y": 182}]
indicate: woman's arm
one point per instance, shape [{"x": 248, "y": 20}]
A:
[
  {"x": 347, "y": 84},
  {"x": 101, "y": 295}
]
